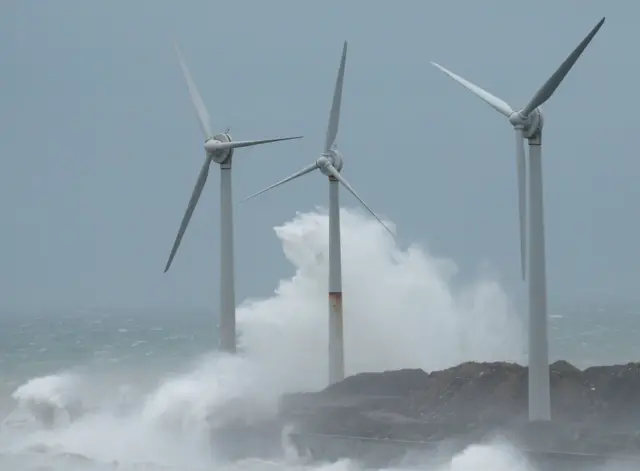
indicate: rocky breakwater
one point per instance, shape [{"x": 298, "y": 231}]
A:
[{"x": 596, "y": 410}]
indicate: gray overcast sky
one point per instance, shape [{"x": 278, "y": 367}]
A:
[{"x": 100, "y": 147}]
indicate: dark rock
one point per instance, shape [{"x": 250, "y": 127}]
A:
[{"x": 593, "y": 410}]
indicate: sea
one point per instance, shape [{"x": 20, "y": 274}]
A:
[{"x": 99, "y": 389}]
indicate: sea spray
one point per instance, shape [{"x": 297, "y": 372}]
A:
[
  {"x": 403, "y": 308},
  {"x": 51, "y": 399}
]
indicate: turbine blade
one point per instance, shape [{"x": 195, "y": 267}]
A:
[
  {"x": 522, "y": 197},
  {"x": 201, "y": 110},
  {"x": 334, "y": 115},
  {"x": 216, "y": 145},
  {"x": 299, "y": 173},
  {"x": 492, "y": 100},
  {"x": 195, "y": 196},
  {"x": 334, "y": 173},
  {"x": 558, "y": 76}
]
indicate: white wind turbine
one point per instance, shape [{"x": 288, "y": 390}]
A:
[
  {"x": 330, "y": 164},
  {"x": 219, "y": 149},
  {"x": 528, "y": 123}
]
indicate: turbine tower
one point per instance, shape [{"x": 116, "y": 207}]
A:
[
  {"x": 330, "y": 164},
  {"x": 528, "y": 124},
  {"x": 219, "y": 149}
]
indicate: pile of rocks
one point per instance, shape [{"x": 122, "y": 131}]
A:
[{"x": 594, "y": 410}]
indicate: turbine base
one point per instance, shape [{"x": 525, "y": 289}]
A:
[{"x": 336, "y": 338}]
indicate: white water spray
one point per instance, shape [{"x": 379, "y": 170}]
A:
[
  {"x": 51, "y": 399},
  {"x": 404, "y": 308}
]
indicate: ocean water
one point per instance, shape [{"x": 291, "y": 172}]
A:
[{"x": 144, "y": 388}]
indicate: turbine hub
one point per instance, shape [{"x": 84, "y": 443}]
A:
[
  {"x": 531, "y": 125},
  {"x": 219, "y": 156},
  {"x": 334, "y": 158}
]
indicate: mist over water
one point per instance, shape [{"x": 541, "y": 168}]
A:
[{"x": 403, "y": 308}]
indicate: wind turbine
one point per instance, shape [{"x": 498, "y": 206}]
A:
[
  {"x": 219, "y": 149},
  {"x": 330, "y": 164},
  {"x": 528, "y": 124}
]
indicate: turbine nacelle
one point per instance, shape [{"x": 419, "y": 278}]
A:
[
  {"x": 332, "y": 158},
  {"x": 216, "y": 150},
  {"x": 530, "y": 125}
]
